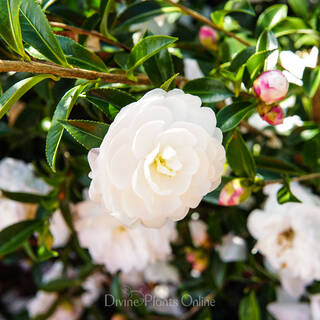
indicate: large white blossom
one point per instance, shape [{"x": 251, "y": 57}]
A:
[
  {"x": 119, "y": 247},
  {"x": 59, "y": 230},
  {"x": 161, "y": 155},
  {"x": 288, "y": 235}
]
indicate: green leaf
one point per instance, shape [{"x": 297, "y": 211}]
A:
[
  {"x": 230, "y": 116},
  {"x": 13, "y": 236},
  {"x": 14, "y": 93},
  {"x": 285, "y": 194},
  {"x": 142, "y": 11},
  {"x": 115, "y": 289},
  {"x": 291, "y": 25},
  {"x": 24, "y": 197},
  {"x": 10, "y": 29},
  {"x": 242, "y": 6},
  {"x": 145, "y": 49},
  {"x": 311, "y": 81},
  {"x": 88, "y": 133},
  {"x": 256, "y": 62},
  {"x": 271, "y": 16},
  {"x": 267, "y": 42},
  {"x": 102, "y": 97},
  {"x": 239, "y": 157},
  {"x": 62, "y": 112},
  {"x": 60, "y": 284},
  {"x": 208, "y": 89},
  {"x": 300, "y": 7},
  {"x": 241, "y": 58},
  {"x": 79, "y": 56},
  {"x": 249, "y": 308},
  {"x": 168, "y": 84},
  {"x": 37, "y": 32},
  {"x": 159, "y": 68},
  {"x": 105, "y": 20}
]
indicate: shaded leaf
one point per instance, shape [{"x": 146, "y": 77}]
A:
[
  {"x": 241, "y": 58},
  {"x": 14, "y": 93},
  {"x": 12, "y": 237},
  {"x": 230, "y": 116},
  {"x": 271, "y": 16},
  {"x": 285, "y": 194},
  {"x": 88, "y": 133},
  {"x": 105, "y": 20},
  {"x": 24, "y": 197},
  {"x": 208, "y": 89},
  {"x": 79, "y": 56},
  {"x": 249, "y": 308}
]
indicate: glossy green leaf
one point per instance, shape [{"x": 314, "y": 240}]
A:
[
  {"x": 105, "y": 20},
  {"x": 230, "y": 116},
  {"x": 167, "y": 85},
  {"x": 276, "y": 165},
  {"x": 88, "y": 133},
  {"x": 37, "y": 32},
  {"x": 10, "y": 30},
  {"x": 159, "y": 68},
  {"x": 102, "y": 97},
  {"x": 62, "y": 112},
  {"x": 24, "y": 197},
  {"x": 14, "y": 93},
  {"x": 239, "y": 157},
  {"x": 291, "y": 25},
  {"x": 256, "y": 62},
  {"x": 12, "y": 237},
  {"x": 300, "y": 7},
  {"x": 267, "y": 42},
  {"x": 285, "y": 194},
  {"x": 79, "y": 56},
  {"x": 145, "y": 49},
  {"x": 208, "y": 89},
  {"x": 242, "y": 6},
  {"x": 271, "y": 16},
  {"x": 142, "y": 11},
  {"x": 241, "y": 58},
  {"x": 311, "y": 81},
  {"x": 249, "y": 308}
]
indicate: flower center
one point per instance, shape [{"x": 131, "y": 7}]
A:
[{"x": 167, "y": 162}]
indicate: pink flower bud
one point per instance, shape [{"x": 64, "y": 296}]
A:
[
  {"x": 208, "y": 37},
  {"x": 190, "y": 257},
  {"x": 271, "y": 86},
  {"x": 272, "y": 115},
  {"x": 234, "y": 192}
]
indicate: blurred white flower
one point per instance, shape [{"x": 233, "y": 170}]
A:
[
  {"x": 198, "y": 230},
  {"x": 161, "y": 272},
  {"x": 294, "y": 64},
  {"x": 161, "y": 155},
  {"x": 119, "y": 247},
  {"x": 233, "y": 248},
  {"x": 191, "y": 69},
  {"x": 288, "y": 235},
  {"x": 59, "y": 229},
  {"x": 290, "y": 311},
  {"x": 315, "y": 306},
  {"x": 93, "y": 286},
  {"x": 18, "y": 176}
]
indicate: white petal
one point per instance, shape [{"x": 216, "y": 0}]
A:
[{"x": 177, "y": 137}]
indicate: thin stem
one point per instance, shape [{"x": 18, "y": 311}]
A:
[
  {"x": 302, "y": 178},
  {"x": 89, "y": 33},
  {"x": 203, "y": 19},
  {"x": 75, "y": 73}
]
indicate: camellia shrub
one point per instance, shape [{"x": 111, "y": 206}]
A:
[{"x": 160, "y": 159}]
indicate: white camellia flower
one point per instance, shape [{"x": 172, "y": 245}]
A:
[
  {"x": 119, "y": 247},
  {"x": 161, "y": 155},
  {"x": 233, "y": 248},
  {"x": 59, "y": 230},
  {"x": 288, "y": 235},
  {"x": 18, "y": 176}
]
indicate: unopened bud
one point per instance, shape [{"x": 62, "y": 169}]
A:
[
  {"x": 274, "y": 115},
  {"x": 271, "y": 86},
  {"x": 234, "y": 192},
  {"x": 208, "y": 37}
]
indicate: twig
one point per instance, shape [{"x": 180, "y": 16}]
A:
[
  {"x": 89, "y": 33},
  {"x": 43, "y": 67},
  {"x": 302, "y": 178},
  {"x": 203, "y": 19}
]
